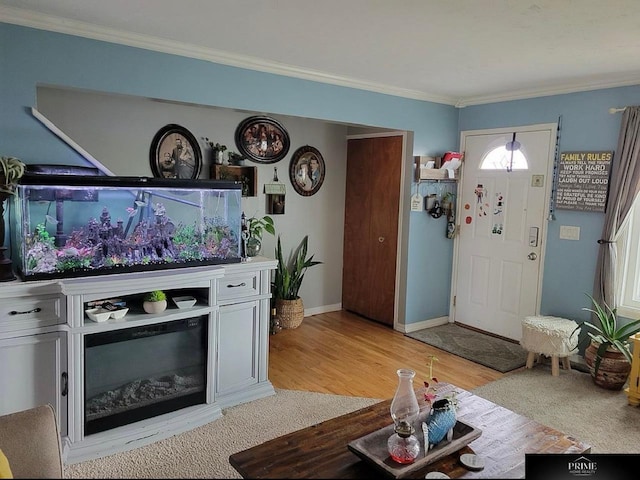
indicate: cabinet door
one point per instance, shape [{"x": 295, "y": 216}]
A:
[
  {"x": 238, "y": 336},
  {"x": 33, "y": 372}
]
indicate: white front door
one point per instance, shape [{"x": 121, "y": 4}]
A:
[{"x": 502, "y": 210}]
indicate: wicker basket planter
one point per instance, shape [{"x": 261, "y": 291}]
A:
[
  {"x": 289, "y": 312},
  {"x": 614, "y": 368}
]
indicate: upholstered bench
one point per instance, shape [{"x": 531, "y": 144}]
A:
[{"x": 550, "y": 336}]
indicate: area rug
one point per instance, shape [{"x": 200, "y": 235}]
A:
[
  {"x": 478, "y": 347},
  {"x": 571, "y": 403},
  {"x": 204, "y": 452}
]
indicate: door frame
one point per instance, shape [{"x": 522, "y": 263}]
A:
[
  {"x": 553, "y": 128},
  {"x": 406, "y": 173}
]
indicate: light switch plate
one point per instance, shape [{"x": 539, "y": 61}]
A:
[{"x": 569, "y": 233}]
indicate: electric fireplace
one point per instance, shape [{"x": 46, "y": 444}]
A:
[{"x": 132, "y": 374}]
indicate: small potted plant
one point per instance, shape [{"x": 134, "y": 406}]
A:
[
  {"x": 217, "y": 150},
  {"x": 256, "y": 227},
  {"x": 155, "y": 302},
  {"x": 235, "y": 158},
  {"x": 287, "y": 282},
  {"x": 608, "y": 355}
]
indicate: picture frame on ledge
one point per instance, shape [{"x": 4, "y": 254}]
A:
[
  {"x": 262, "y": 139},
  {"x": 175, "y": 153},
  {"x": 306, "y": 170}
]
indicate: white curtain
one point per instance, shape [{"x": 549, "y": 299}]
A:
[{"x": 623, "y": 188}]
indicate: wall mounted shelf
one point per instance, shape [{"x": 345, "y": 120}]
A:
[{"x": 244, "y": 174}]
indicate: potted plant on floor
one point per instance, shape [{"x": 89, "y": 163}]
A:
[
  {"x": 287, "y": 281},
  {"x": 155, "y": 302},
  {"x": 608, "y": 355}
]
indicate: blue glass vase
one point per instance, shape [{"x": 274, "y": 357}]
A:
[{"x": 441, "y": 421}]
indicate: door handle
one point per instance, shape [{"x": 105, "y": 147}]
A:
[
  {"x": 532, "y": 256},
  {"x": 381, "y": 239}
]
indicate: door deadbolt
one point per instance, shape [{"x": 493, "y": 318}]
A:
[{"x": 532, "y": 256}]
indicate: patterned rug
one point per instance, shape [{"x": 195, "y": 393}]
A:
[{"x": 486, "y": 350}]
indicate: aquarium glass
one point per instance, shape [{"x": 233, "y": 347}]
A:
[{"x": 87, "y": 225}]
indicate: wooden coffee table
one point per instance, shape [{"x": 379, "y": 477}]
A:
[{"x": 321, "y": 451}]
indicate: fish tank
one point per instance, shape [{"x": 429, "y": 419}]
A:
[{"x": 85, "y": 225}]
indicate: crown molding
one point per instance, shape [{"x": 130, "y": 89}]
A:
[
  {"x": 620, "y": 81},
  {"x": 41, "y": 21}
]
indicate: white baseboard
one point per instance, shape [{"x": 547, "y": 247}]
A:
[
  {"x": 323, "y": 309},
  {"x": 413, "y": 327}
]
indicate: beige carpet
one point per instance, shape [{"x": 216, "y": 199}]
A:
[
  {"x": 572, "y": 404},
  {"x": 204, "y": 452}
]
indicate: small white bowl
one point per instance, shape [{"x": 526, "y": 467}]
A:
[
  {"x": 98, "y": 314},
  {"x": 184, "y": 302},
  {"x": 120, "y": 313}
]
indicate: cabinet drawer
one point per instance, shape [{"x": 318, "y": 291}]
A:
[
  {"x": 238, "y": 285},
  {"x": 29, "y": 312}
]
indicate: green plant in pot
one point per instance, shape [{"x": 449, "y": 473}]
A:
[
  {"x": 155, "y": 301},
  {"x": 256, "y": 228},
  {"x": 608, "y": 354},
  {"x": 287, "y": 282},
  {"x": 11, "y": 170}
]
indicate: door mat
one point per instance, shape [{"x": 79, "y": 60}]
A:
[{"x": 478, "y": 347}]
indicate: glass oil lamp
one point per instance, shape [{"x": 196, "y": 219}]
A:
[{"x": 403, "y": 446}]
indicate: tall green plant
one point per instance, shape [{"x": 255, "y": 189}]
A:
[
  {"x": 290, "y": 273},
  {"x": 609, "y": 333}
]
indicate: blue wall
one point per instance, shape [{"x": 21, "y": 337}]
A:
[{"x": 29, "y": 57}]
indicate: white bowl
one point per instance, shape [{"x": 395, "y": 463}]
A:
[
  {"x": 98, "y": 314},
  {"x": 120, "y": 313},
  {"x": 184, "y": 302}
]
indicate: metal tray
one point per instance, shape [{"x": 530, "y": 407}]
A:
[{"x": 373, "y": 449}]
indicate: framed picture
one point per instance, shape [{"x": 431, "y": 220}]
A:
[
  {"x": 175, "y": 153},
  {"x": 262, "y": 139},
  {"x": 306, "y": 170}
]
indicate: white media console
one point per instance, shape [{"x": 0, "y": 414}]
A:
[{"x": 43, "y": 328}]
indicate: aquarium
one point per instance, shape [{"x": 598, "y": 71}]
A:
[{"x": 80, "y": 225}]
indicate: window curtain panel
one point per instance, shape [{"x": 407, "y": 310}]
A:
[{"x": 623, "y": 188}]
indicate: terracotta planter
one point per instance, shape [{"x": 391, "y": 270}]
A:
[
  {"x": 155, "y": 307},
  {"x": 289, "y": 312},
  {"x": 614, "y": 367}
]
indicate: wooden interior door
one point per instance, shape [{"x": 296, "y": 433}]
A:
[{"x": 372, "y": 203}]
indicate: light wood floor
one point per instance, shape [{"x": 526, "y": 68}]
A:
[{"x": 342, "y": 353}]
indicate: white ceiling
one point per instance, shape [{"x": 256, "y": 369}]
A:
[{"x": 459, "y": 52}]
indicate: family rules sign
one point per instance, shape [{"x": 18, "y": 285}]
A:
[{"x": 583, "y": 181}]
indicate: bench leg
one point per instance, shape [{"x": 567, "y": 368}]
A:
[
  {"x": 555, "y": 366},
  {"x": 530, "y": 358},
  {"x": 566, "y": 364}
]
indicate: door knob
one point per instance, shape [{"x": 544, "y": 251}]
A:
[
  {"x": 381, "y": 239},
  {"x": 532, "y": 256}
]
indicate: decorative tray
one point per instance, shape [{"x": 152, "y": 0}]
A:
[{"x": 373, "y": 448}]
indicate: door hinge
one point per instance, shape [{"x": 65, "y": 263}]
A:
[{"x": 454, "y": 300}]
